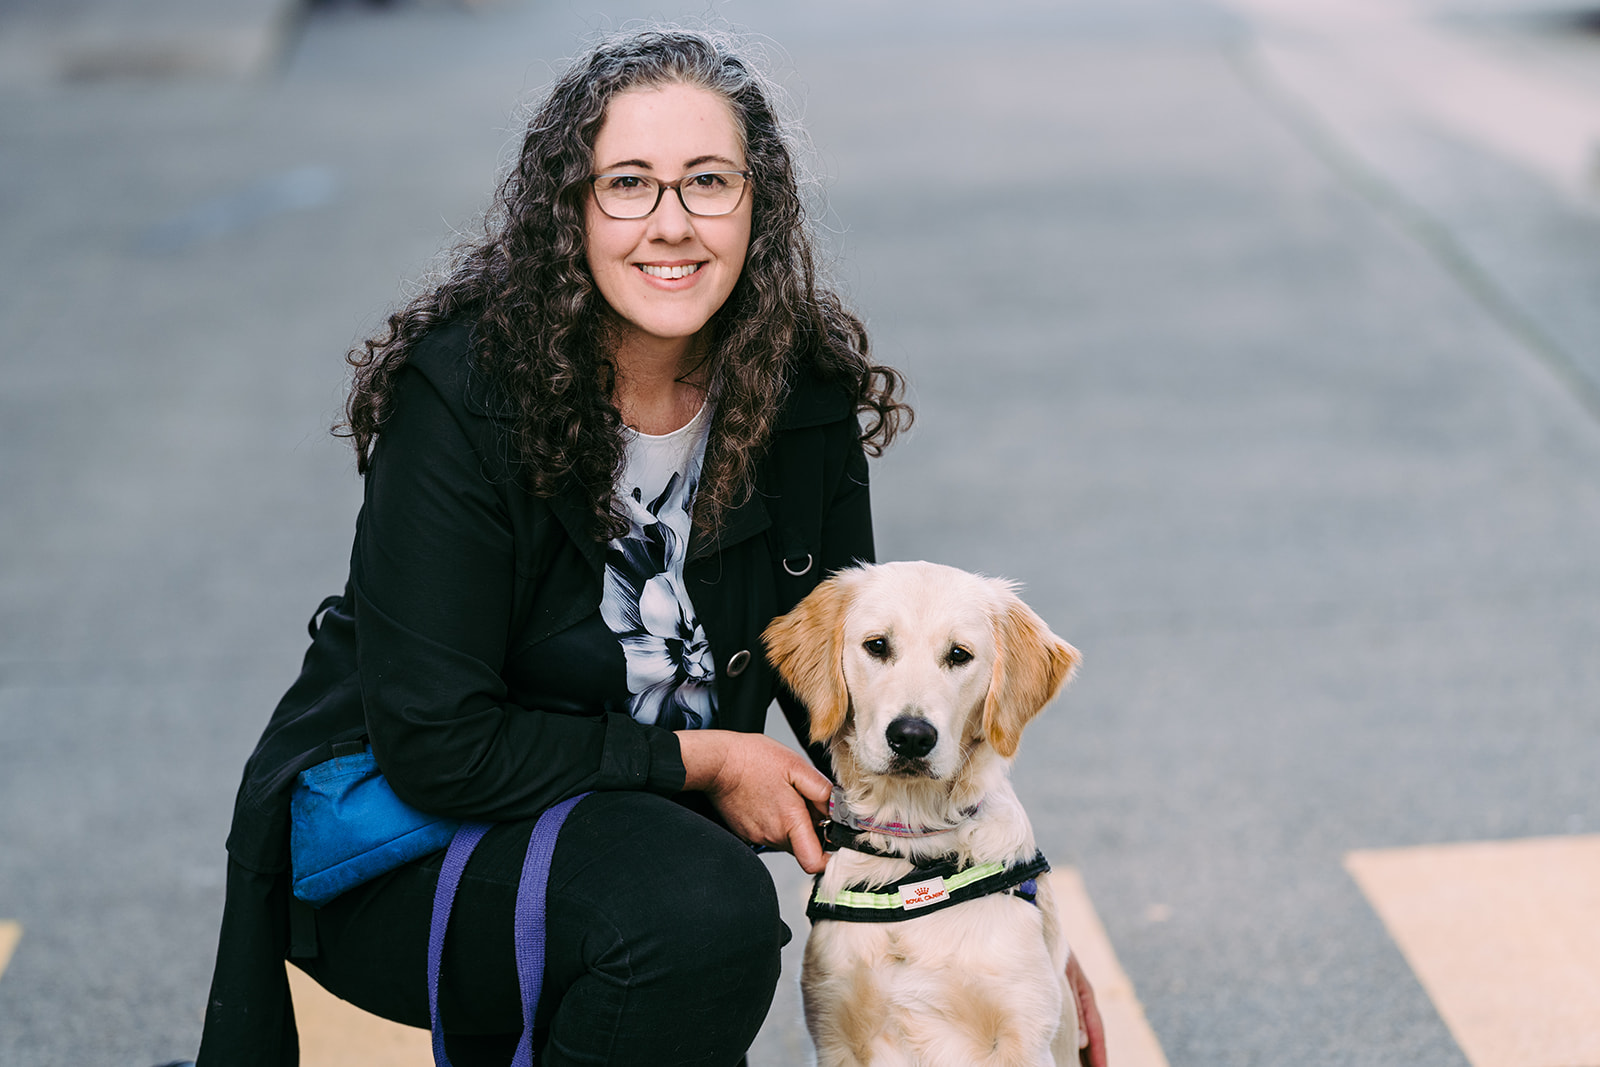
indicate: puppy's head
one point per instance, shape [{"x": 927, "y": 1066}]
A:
[{"x": 907, "y": 665}]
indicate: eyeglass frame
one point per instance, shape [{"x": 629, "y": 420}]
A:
[{"x": 661, "y": 191}]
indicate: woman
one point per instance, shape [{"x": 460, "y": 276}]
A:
[{"x": 613, "y": 443}]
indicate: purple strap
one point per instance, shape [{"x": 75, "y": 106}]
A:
[
  {"x": 444, "y": 898},
  {"x": 529, "y": 929}
]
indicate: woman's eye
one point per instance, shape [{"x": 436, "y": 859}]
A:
[
  {"x": 624, "y": 181},
  {"x": 708, "y": 181},
  {"x": 876, "y": 647},
  {"x": 957, "y": 656}
]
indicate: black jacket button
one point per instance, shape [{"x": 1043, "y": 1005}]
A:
[{"x": 739, "y": 661}]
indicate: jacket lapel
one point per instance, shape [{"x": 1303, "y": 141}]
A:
[
  {"x": 745, "y": 521},
  {"x": 573, "y": 514}
]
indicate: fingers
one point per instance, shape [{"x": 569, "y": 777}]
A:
[
  {"x": 806, "y": 847},
  {"x": 1093, "y": 1033},
  {"x": 810, "y": 783},
  {"x": 799, "y": 827},
  {"x": 813, "y": 791}
]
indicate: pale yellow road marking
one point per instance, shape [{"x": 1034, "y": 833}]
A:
[
  {"x": 336, "y": 1033},
  {"x": 1505, "y": 937},
  {"x": 10, "y": 934},
  {"x": 1129, "y": 1040}
]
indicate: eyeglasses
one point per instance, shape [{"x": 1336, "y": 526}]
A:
[{"x": 634, "y": 196}]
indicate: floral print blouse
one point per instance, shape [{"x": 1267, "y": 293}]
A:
[{"x": 670, "y": 675}]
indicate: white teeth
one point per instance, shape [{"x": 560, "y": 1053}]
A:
[{"x": 669, "y": 272}]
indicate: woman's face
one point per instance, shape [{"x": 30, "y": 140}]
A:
[{"x": 666, "y": 133}]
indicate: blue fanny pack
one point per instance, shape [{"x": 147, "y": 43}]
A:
[{"x": 346, "y": 827}]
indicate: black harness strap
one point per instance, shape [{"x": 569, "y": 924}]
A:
[{"x": 925, "y": 890}]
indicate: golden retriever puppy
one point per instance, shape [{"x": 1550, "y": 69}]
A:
[{"x": 935, "y": 941}]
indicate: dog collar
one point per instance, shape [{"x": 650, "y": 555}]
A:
[
  {"x": 843, "y": 827},
  {"x": 926, "y": 890},
  {"x": 836, "y": 835}
]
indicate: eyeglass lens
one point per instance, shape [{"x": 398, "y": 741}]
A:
[{"x": 633, "y": 196}]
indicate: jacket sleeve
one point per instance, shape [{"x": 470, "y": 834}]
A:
[{"x": 432, "y": 574}]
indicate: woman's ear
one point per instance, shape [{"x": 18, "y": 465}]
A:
[
  {"x": 806, "y": 647},
  {"x": 1031, "y": 664}
]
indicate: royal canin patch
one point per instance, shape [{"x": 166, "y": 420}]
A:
[{"x": 914, "y": 895}]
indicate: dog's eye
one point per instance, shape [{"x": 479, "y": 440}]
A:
[
  {"x": 957, "y": 656},
  {"x": 877, "y": 647}
]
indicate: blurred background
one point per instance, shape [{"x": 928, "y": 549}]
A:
[{"x": 1258, "y": 338}]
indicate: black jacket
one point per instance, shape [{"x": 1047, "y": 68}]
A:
[{"x": 450, "y": 642}]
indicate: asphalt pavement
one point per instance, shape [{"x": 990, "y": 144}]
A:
[{"x": 1277, "y": 388}]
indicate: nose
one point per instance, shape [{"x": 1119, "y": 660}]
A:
[
  {"x": 912, "y": 737},
  {"x": 670, "y": 221}
]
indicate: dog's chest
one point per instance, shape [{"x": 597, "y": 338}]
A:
[{"x": 976, "y": 976}]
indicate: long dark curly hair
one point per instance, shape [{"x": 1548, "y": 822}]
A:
[{"x": 540, "y": 324}]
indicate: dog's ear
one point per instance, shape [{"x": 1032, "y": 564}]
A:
[
  {"x": 806, "y": 647},
  {"x": 1031, "y": 664}
]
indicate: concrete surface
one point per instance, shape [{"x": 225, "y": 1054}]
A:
[
  {"x": 1281, "y": 408},
  {"x": 48, "y": 41}
]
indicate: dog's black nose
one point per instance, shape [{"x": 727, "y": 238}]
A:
[{"x": 912, "y": 737}]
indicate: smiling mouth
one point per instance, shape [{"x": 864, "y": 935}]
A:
[{"x": 669, "y": 273}]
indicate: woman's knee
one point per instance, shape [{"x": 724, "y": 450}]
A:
[
  {"x": 727, "y": 903},
  {"x": 678, "y": 889}
]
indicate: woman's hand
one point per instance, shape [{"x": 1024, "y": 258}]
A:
[
  {"x": 1092, "y": 1031},
  {"x": 762, "y": 789}
]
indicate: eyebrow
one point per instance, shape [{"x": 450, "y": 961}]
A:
[{"x": 695, "y": 162}]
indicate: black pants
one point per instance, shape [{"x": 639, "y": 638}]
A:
[{"x": 661, "y": 947}]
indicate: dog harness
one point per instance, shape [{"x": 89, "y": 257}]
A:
[
  {"x": 939, "y": 885},
  {"x": 925, "y": 890}
]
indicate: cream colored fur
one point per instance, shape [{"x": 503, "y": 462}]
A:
[{"x": 981, "y": 984}]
